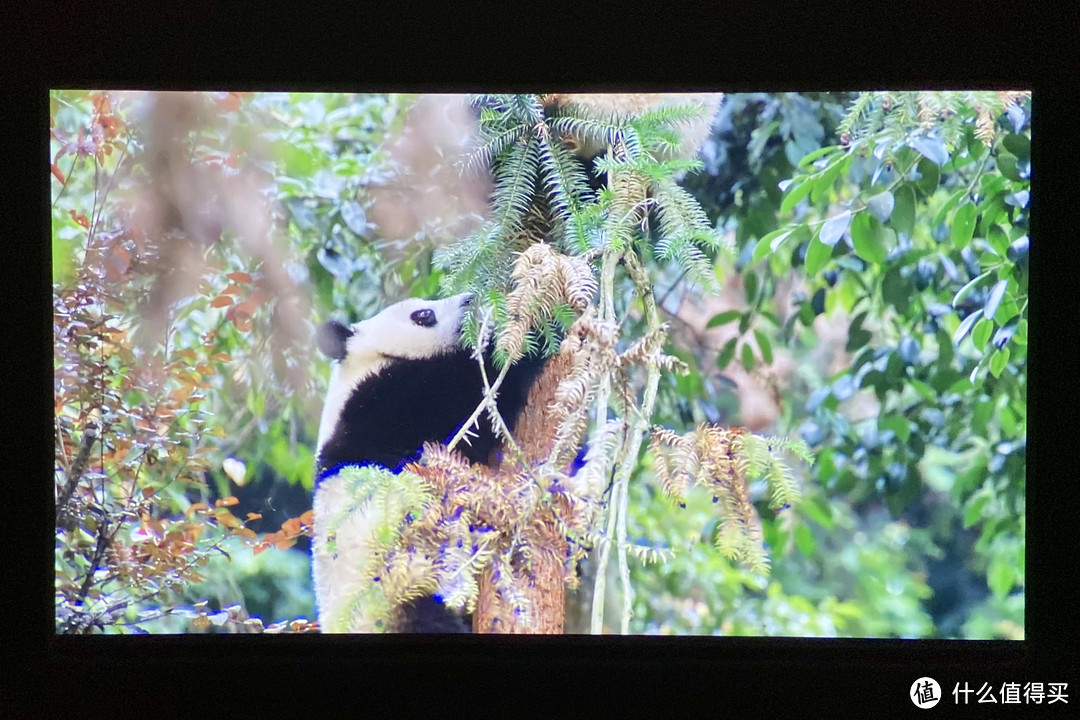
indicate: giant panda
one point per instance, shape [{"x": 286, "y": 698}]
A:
[{"x": 398, "y": 379}]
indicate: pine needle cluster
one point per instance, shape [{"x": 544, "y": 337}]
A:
[
  {"x": 892, "y": 116},
  {"x": 724, "y": 461},
  {"x": 543, "y": 193},
  {"x": 543, "y": 281}
]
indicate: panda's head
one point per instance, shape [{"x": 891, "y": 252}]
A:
[
  {"x": 412, "y": 329},
  {"x": 409, "y": 330}
]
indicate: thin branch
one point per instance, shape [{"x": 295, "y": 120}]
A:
[
  {"x": 636, "y": 432},
  {"x": 607, "y": 314},
  {"x": 77, "y": 468}
]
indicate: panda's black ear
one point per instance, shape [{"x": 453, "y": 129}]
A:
[{"x": 332, "y": 337}]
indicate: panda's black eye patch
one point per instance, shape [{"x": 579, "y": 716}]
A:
[
  {"x": 332, "y": 338},
  {"x": 424, "y": 318}
]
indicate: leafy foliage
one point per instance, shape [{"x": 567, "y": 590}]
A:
[{"x": 876, "y": 296}]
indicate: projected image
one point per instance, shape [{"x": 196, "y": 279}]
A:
[{"x": 744, "y": 364}]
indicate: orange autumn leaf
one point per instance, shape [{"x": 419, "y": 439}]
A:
[
  {"x": 226, "y": 518},
  {"x": 242, "y": 321},
  {"x": 58, "y": 174},
  {"x": 239, "y": 277},
  {"x": 221, "y": 301},
  {"x": 259, "y": 297},
  {"x": 229, "y": 101},
  {"x": 196, "y": 507},
  {"x": 181, "y": 394},
  {"x": 227, "y": 502}
]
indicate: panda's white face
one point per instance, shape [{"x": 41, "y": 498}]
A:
[{"x": 412, "y": 329}]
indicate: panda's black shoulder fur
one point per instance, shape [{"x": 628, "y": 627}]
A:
[{"x": 390, "y": 415}]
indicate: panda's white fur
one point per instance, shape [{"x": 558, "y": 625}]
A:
[{"x": 373, "y": 345}]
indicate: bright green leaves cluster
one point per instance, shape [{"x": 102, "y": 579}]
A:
[
  {"x": 752, "y": 324},
  {"x": 925, "y": 242}
]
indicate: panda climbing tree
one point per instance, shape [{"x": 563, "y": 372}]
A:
[{"x": 474, "y": 450}]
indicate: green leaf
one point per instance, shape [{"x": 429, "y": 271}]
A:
[
  {"x": 1000, "y": 577},
  {"x": 993, "y": 298},
  {"x": 750, "y": 285},
  {"x": 1020, "y": 337},
  {"x": 744, "y": 322},
  {"x": 1010, "y": 424},
  {"x": 765, "y": 346},
  {"x": 747, "y": 357},
  {"x": 868, "y": 237},
  {"x": 981, "y": 334},
  {"x": 997, "y": 239},
  {"x": 804, "y": 540},
  {"x": 964, "y": 291},
  {"x": 834, "y": 228},
  {"x": 817, "y": 253},
  {"x": 795, "y": 193},
  {"x": 899, "y": 426},
  {"x": 726, "y": 354},
  {"x": 812, "y": 156},
  {"x": 896, "y": 290},
  {"x": 723, "y": 318},
  {"x": 1006, "y": 310},
  {"x": 973, "y": 511},
  {"x": 963, "y": 225},
  {"x": 771, "y": 243},
  {"x": 965, "y": 326},
  {"x": 1018, "y": 145},
  {"x": 903, "y": 214},
  {"x": 818, "y": 511},
  {"x": 931, "y": 175},
  {"x": 924, "y": 390},
  {"x": 949, "y": 205},
  {"x": 881, "y": 205},
  {"x": 825, "y": 181},
  {"x": 998, "y": 361},
  {"x": 1008, "y": 166},
  {"x": 930, "y": 147}
]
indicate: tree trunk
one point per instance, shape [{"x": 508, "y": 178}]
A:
[{"x": 545, "y": 585}]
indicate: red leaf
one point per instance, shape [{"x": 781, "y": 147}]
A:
[
  {"x": 81, "y": 219},
  {"x": 57, "y": 174},
  {"x": 231, "y": 101}
]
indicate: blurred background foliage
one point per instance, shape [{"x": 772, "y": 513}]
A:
[{"x": 876, "y": 308}]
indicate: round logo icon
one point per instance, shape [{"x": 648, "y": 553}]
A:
[{"x": 925, "y": 692}]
